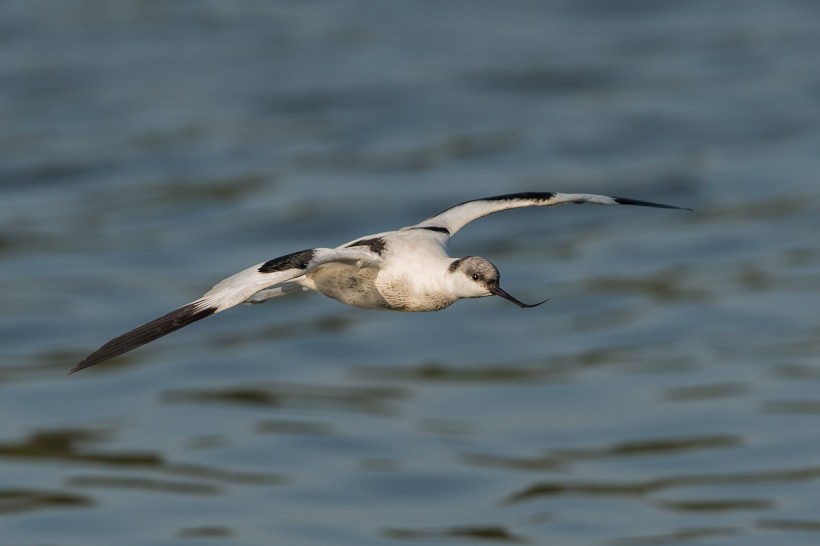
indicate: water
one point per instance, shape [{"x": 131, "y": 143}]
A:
[{"x": 667, "y": 394}]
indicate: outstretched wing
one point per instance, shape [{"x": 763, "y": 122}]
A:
[
  {"x": 455, "y": 218},
  {"x": 226, "y": 294}
]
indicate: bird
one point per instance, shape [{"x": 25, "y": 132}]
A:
[{"x": 408, "y": 270}]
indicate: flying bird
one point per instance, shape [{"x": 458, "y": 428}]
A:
[{"x": 404, "y": 270}]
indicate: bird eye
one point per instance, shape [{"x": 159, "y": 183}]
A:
[{"x": 475, "y": 276}]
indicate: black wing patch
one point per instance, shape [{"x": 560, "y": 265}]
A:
[
  {"x": 294, "y": 260},
  {"x": 542, "y": 196},
  {"x": 146, "y": 333},
  {"x": 437, "y": 229},
  {"x": 375, "y": 245},
  {"x": 532, "y": 195},
  {"x": 628, "y": 201}
]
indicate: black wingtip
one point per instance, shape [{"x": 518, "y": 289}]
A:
[
  {"x": 639, "y": 203},
  {"x": 146, "y": 333}
]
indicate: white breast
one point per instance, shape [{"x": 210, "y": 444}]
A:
[{"x": 403, "y": 294}]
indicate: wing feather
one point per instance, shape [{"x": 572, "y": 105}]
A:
[
  {"x": 232, "y": 291},
  {"x": 455, "y": 218}
]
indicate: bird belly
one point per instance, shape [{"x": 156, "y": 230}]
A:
[{"x": 349, "y": 284}]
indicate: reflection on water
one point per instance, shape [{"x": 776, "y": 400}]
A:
[
  {"x": 148, "y": 484},
  {"x": 563, "y": 457},
  {"x": 682, "y": 536},
  {"x": 66, "y": 445},
  {"x": 73, "y": 446},
  {"x": 659, "y": 484},
  {"x": 205, "y": 532},
  {"x": 315, "y": 397},
  {"x": 667, "y": 394},
  {"x": 480, "y": 534},
  {"x": 15, "y": 500}
]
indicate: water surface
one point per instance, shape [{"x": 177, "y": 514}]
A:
[{"x": 667, "y": 393}]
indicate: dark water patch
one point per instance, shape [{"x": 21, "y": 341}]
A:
[
  {"x": 489, "y": 533},
  {"x": 72, "y": 445},
  {"x": 221, "y": 475},
  {"x": 646, "y": 487},
  {"x": 436, "y": 372},
  {"x": 711, "y": 506},
  {"x": 207, "y": 531},
  {"x": 375, "y": 401},
  {"x": 650, "y": 446},
  {"x": 25, "y": 500},
  {"x": 198, "y": 192},
  {"x": 592, "y": 489},
  {"x": 561, "y": 458},
  {"x": 243, "y": 396},
  {"x": 128, "y": 483},
  {"x": 687, "y": 535},
  {"x": 542, "y": 463},
  {"x": 75, "y": 446}
]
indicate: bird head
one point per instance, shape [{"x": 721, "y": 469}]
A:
[{"x": 477, "y": 278}]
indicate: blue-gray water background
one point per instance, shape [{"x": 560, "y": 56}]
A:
[{"x": 667, "y": 394}]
